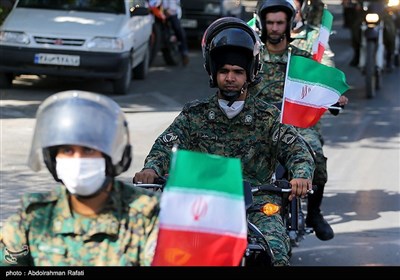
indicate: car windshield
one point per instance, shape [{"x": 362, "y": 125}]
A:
[{"x": 103, "y": 6}]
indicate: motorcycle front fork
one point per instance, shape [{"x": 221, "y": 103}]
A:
[
  {"x": 380, "y": 48},
  {"x": 296, "y": 224}
]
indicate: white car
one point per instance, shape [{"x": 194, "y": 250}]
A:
[{"x": 77, "y": 38}]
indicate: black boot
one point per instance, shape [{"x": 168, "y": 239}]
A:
[
  {"x": 356, "y": 58},
  {"x": 314, "y": 217},
  {"x": 389, "y": 61}
]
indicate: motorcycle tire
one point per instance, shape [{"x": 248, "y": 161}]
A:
[
  {"x": 170, "y": 48},
  {"x": 370, "y": 70},
  {"x": 171, "y": 54},
  {"x": 155, "y": 41}
]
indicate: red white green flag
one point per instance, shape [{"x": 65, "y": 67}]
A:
[
  {"x": 320, "y": 44},
  {"x": 202, "y": 216},
  {"x": 252, "y": 23},
  {"x": 310, "y": 89}
]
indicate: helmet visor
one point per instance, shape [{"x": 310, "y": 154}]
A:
[{"x": 79, "y": 118}]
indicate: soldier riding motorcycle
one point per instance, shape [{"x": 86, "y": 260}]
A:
[{"x": 373, "y": 40}]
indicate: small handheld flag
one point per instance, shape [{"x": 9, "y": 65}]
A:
[
  {"x": 310, "y": 89},
  {"x": 202, "y": 217},
  {"x": 320, "y": 44}
]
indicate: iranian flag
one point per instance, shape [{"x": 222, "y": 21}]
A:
[
  {"x": 202, "y": 216},
  {"x": 320, "y": 44},
  {"x": 310, "y": 89},
  {"x": 253, "y": 22}
]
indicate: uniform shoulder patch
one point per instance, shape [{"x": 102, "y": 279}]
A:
[{"x": 195, "y": 103}]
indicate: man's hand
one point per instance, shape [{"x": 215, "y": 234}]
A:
[
  {"x": 343, "y": 100},
  {"x": 146, "y": 176},
  {"x": 167, "y": 12},
  {"x": 300, "y": 187}
]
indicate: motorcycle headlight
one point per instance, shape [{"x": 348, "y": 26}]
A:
[
  {"x": 393, "y": 3},
  {"x": 372, "y": 18},
  {"x": 270, "y": 209}
]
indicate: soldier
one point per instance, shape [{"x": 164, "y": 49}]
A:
[
  {"x": 92, "y": 219},
  {"x": 232, "y": 123},
  {"x": 389, "y": 32},
  {"x": 277, "y": 19},
  {"x": 315, "y": 10},
  {"x": 304, "y": 34}
]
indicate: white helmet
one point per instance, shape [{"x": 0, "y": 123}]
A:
[{"x": 85, "y": 119}]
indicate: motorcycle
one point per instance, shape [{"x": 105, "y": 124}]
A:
[
  {"x": 163, "y": 37},
  {"x": 372, "y": 50},
  {"x": 394, "y": 12},
  {"x": 258, "y": 251}
]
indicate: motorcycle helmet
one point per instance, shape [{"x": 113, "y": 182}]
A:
[
  {"x": 85, "y": 119},
  {"x": 231, "y": 39},
  {"x": 305, "y": 8},
  {"x": 286, "y": 6}
]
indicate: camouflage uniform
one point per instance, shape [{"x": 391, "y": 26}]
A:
[
  {"x": 124, "y": 234},
  {"x": 203, "y": 127},
  {"x": 270, "y": 89}
]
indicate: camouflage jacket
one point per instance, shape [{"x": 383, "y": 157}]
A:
[
  {"x": 273, "y": 71},
  {"x": 251, "y": 136},
  {"x": 45, "y": 231}
]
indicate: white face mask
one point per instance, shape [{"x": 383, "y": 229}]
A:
[
  {"x": 233, "y": 110},
  {"x": 81, "y": 176}
]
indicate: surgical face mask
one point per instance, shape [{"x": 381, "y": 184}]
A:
[
  {"x": 81, "y": 176},
  {"x": 233, "y": 110}
]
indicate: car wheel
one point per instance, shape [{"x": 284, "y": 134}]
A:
[
  {"x": 121, "y": 85},
  {"x": 6, "y": 80},
  {"x": 140, "y": 72},
  {"x": 155, "y": 41}
]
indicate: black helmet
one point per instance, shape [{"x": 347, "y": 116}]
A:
[
  {"x": 81, "y": 118},
  {"x": 286, "y": 6},
  {"x": 305, "y": 8},
  {"x": 231, "y": 35}
]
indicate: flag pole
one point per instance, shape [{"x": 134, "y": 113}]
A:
[
  {"x": 286, "y": 75},
  {"x": 275, "y": 157}
]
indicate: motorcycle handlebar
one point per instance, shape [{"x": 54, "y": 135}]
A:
[
  {"x": 280, "y": 186},
  {"x": 158, "y": 184}
]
